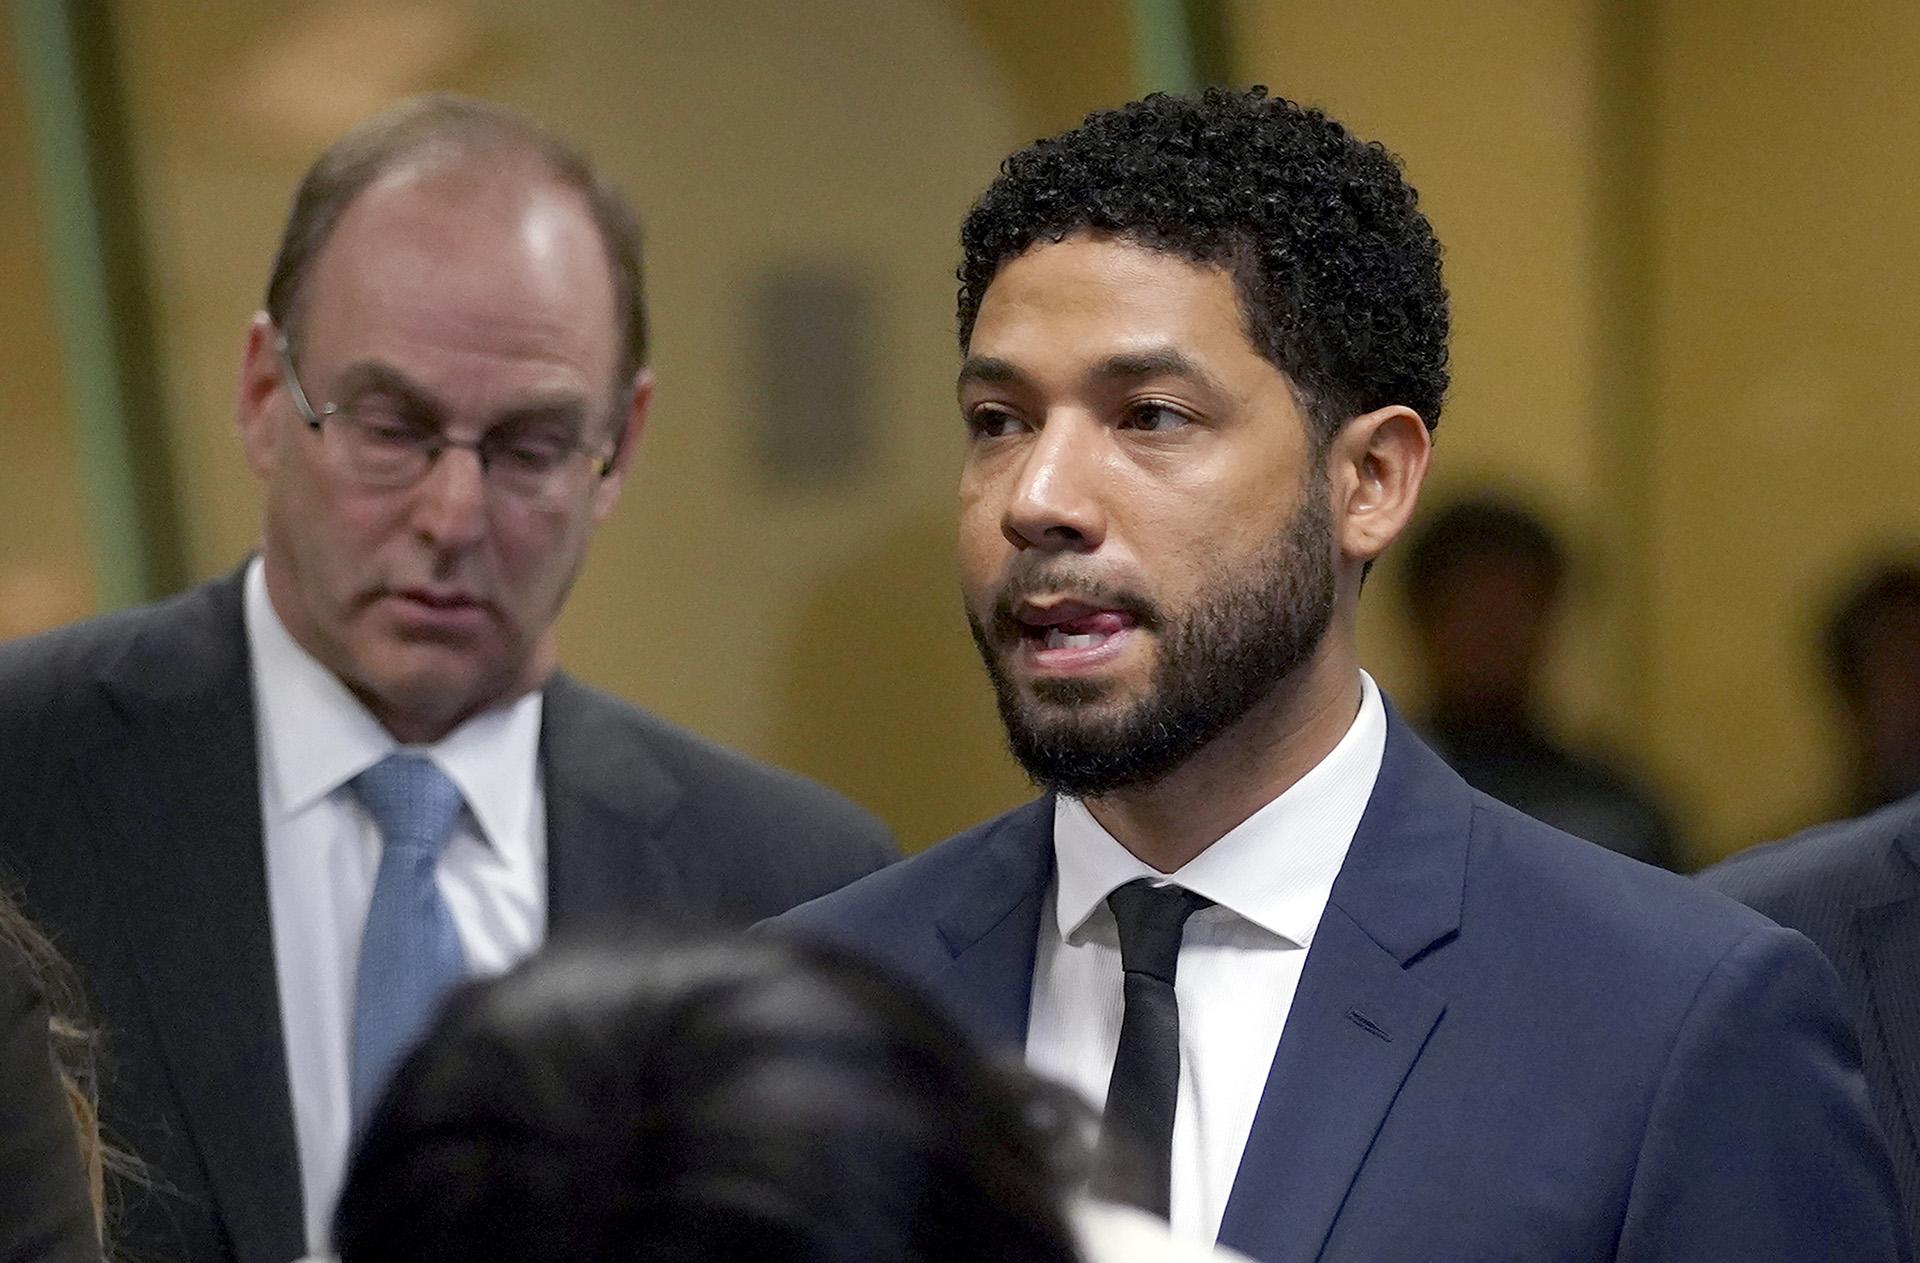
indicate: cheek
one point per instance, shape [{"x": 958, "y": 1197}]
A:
[
  {"x": 325, "y": 530},
  {"x": 983, "y": 550},
  {"x": 538, "y": 559}
]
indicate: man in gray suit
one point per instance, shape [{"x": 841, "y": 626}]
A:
[
  {"x": 275, "y": 819},
  {"x": 1854, "y": 888}
]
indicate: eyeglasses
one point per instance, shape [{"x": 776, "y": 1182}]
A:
[{"x": 378, "y": 445}]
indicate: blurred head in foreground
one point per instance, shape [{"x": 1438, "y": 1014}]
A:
[{"x": 752, "y": 1100}]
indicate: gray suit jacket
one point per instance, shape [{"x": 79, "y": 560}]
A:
[
  {"x": 1854, "y": 889},
  {"x": 130, "y": 825}
]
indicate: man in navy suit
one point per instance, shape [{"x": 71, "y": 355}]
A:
[{"x": 1332, "y": 1003}]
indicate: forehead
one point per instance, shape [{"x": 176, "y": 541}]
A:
[
  {"x": 466, "y": 265},
  {"x": 1088, "y": 297}
]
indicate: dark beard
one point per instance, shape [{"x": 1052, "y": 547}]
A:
[{"x": 1221, "y": 657}]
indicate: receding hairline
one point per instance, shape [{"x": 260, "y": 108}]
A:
[{"x": 457, "y": 139}]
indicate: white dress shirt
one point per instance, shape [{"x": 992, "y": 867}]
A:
[
  {"x": 323, "y": 851},
  {"x": 1240, "y": 960}
]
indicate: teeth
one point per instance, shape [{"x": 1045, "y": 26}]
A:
[{"x": 1057, "y": 639}]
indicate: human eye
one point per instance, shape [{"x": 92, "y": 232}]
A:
[
  {"x": 1154, "y": 417},
  {"x": 387, "y": 424},
  {"x": 531, "y": 453},
  {"x": 991, "y": 421},
  {"x": 535, "y": 457}
]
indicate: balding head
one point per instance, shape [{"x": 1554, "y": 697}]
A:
[{"x": 442, "y": 134}]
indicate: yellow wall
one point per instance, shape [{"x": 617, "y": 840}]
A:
[
  {"x": 45, "y": 567},
  {"x": 1789, "y": 415},
  {"x": 1678, "y": 237}
]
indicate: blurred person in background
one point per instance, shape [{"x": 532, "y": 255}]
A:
[
  {"x": 1872, "y": 645},
  {"x": 1484, "y": 580},
  {"x": 710, "y": 1103},
  {"x": 274, "y": 819},
  {"x": 1333, "y": 1003},
  {"x": 50, "y": 1156},
  {"x": 1854, "y": 888}
]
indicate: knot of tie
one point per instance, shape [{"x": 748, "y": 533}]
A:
[
  {"x": 413, "y": 802},
  {"x": 1151, "y": 920}
]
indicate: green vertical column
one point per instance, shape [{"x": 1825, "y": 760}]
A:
[
  {"x": 1180, "y": 45},
  {"x": 89, "y": 200}
]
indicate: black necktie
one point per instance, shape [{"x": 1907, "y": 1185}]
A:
[{"x": 1136, "y": 1132}]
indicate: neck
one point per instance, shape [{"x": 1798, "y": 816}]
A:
[
  {"x": 1168, "y": 823},
  {"x": 411, "y": 727}
]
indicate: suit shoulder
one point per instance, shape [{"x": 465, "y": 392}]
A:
[
  {"x": 1829, "y": 869},
  {"x": 1596, "y": 900},
  {"x": 902, "y": 897},
  {"x": 44, "y": 668},
  {"x": 726, "y": 782}
]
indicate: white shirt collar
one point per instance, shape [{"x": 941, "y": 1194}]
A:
[
  {"x": 315, "y": 735},
  {"x": 1275, "y": 869}
]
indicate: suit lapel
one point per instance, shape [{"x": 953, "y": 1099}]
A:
[
  {"x": 177, "y": 801},
  {"x": 608, "y": 801},
  {"x": 1890, "y": 956},
  {"x": 990, "y": 922},
  {"x": 1359, "y": 1021}
]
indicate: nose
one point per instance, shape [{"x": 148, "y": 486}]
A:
[
  {"x": 450, "y": 502},
  {"x": 1056, "y": 503}
]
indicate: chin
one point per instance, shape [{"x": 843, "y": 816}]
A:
[{"x": 427, "y": 679}]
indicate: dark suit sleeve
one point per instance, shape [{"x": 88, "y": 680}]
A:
[
  {"x": 1761, "y": 1145},
  {"x": 45, "y": 1213}
]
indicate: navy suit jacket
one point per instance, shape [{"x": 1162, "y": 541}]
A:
[
  {"x": 1506, "y": 1044},
  {"x": 1854, "y": 889},
  {"x": 130, "y": 822}
]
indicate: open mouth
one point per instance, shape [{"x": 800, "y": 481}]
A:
[
  {"x": 1068, "y": 634},
  {"x": 1087, "y": 630}
]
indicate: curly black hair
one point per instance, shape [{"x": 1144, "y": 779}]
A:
[{"x": 1337, "y": 270}]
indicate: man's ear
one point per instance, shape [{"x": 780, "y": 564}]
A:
[
  {"x": 1375, "y": 468},
  {"x": 254, "y": 405},
  {"x": 606, "y": 493}
]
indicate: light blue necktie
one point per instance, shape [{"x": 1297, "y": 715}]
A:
[{"x": 410, "y": 954}]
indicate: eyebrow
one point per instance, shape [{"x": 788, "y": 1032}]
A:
[
  {"x": 367, "y": 378},
  {"x": 1125, "y": 366},
  {"x": 1159, "y": 362},
  {"x": 371, "y": 376},
  {"x": 989, "y": 370}
]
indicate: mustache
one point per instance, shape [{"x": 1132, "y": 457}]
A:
[{"x": 1050, "y": 576}]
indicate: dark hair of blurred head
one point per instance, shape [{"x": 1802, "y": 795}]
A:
[
  {"x": 1883, "y": 596},
  {"x": 1872, "y": 647},
  {"x": 1482, "y": 581},
  {"x": 1336, "y": 268},
  {"x": 743, "y": 1101},
  {"x": 1470, "y": 532},
  {"x": 445, "y": 131}
]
